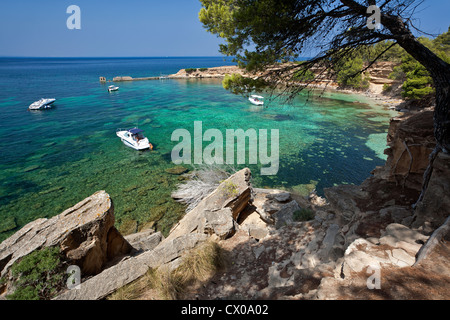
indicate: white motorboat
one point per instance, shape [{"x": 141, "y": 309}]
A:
[
  {"x": 256, "y": 100},
  {"x": 113, "y": 88},
  {"x": 134, "y": 138},
  {"x": 42, "y": 104}
]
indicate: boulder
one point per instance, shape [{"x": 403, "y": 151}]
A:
[
  {"x": 144, "y": 241},
  {"x": 268, "y": 202},
  {"x": 285, "y": 216},
  {"x": 85, "y": 233},
  {"x": 132, "y": 268},
  {"x": 396, "y": 248},
  {"x": 219, "y": 222},
  {"x": 217, "y": 213}
]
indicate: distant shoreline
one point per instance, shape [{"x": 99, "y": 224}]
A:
[{"x": 221, "y": 72}]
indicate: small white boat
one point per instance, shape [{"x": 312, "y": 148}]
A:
[
  {"x": 42, "y": 104},
  {"x": 256, "y": 100},
  {"x": 134, "y": 138},
  {"x": 113, "y": 88}
]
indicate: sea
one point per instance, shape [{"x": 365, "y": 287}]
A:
[{"x": 52, "y": 159}]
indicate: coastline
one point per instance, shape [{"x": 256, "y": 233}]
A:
[{"x": 374, "y": 92}]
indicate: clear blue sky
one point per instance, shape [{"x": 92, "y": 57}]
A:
[{"x": 129, "y": 28}]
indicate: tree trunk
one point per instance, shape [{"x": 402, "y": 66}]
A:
[
  {"x": 439, "y": 71},
  {"x": 434, "y": 241}
]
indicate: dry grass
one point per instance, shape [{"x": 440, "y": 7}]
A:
[{"x": 199, "y": 265}]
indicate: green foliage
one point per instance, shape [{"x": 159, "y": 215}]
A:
[
  {"x": 203, "y": 69},
  {"x": 269, "y": 32},
  {"x": 39, "y": 275},
  {"x": 442, "y": 43},
  {"x": 190, "y": 70},
  {"x": 304, "y": 75},
  {"x": 238, "y": 84},
  {"x": 417, "y": 81},
  {"x": 230, "y": 189},
  {"x": 348, "y": 73},
  {"x": 387, "y": 88},
  {"x": 303, "y": 215}
]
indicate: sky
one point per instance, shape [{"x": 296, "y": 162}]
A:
[{"x": 132, "y": 28}]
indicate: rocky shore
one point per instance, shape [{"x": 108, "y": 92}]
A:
[
  {"x": 282, "y": 246},
  {"x": 378, "y": 75},
  {"x": 359, "y": 242}
]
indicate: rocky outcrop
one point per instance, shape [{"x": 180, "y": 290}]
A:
[
  {"x": 131, "y": 268},
  {"x": 218, "y": 212},
  {"x": 379, "y": 72},
  {"x": 122, "y": 78},
  {"x": 215, "y": 215},
  {"x": 215, "y": 72},
  {"x": 435, "y": 206},
  {"x": 410, "y": 141},
  {"x": 85, "y": 233},
  {"x": 145, "y": 241}
]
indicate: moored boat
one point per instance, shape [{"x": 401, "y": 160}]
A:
[
  {"x": 113, "y": 88},
  {"x": 134, "y": 138},
  {"x": 42, "y": 104},
  {"x": 256, "y": 100}
]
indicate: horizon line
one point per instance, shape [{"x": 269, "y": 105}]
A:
[{"x": 108, "y": 57}]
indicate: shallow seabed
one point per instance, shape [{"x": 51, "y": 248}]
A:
[{"x": 52, "y": 159}]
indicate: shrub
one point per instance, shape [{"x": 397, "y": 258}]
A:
[
  {"x": 348, "y": 74},
  {"x": 230, "y": 189},
  {"x": 38, "y": 276},
  {"x": 203, "y": 69},
  {"x": 387, "y": 88},
  {"x": 303, "y": 215},
  {"x": 304, "y": 75},
  {"x": 190, "y": 70}
]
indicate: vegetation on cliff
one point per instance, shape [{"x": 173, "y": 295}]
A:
[{"x": 38, "y": 276}]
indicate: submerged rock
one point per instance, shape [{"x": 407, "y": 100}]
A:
[
  {"x": 177, "y": 170},
  {"x": 8, "y": 224}
]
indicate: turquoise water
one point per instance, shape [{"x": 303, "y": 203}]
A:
[{"x": 52, "y": 159}]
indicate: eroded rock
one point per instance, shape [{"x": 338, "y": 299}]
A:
[
  {"x": 219, "y": 210},
  {"x": 85, "y": 233}
]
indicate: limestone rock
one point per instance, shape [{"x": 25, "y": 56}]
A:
[
  {"x": 285, "y": 215},
  {"x": 396, "y": 248},
  {"x": 410, "y": 142},
  {"x": 219, "y": 222},
  {"x": 131, "y": 268},
  {"x": 279, "y": 196},
  {"x": 144, "y": 241},
  {"x": 342, "y": 200},
  {"x": 275, "y": 207},
  {"x": 212, "y": 213},
  {"x": 85, "y": 233}
]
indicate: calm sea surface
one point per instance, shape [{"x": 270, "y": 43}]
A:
[{"x": 50, "y": 160}]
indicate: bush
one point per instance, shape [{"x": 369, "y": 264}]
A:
[
  {"x": 230, "y": 189},
  {"x": 304, "y": 75},
  {"x": 303, "y": 215},
  {"x": 349, "y": 74},
  {"x": 203, "y": 69},
  {"x": 38, "y": 276},
  {"x": 387, "y": 88},
  {"x": 190, "y": 70}
]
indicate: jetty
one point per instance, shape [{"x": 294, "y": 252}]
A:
[{"x": 190, "y": 73}]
